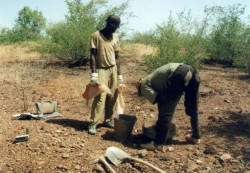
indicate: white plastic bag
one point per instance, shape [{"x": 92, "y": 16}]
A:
[{"x": 120, "y": 104}]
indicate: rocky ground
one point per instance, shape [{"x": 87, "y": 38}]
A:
[{"x": 62, "y": 144}]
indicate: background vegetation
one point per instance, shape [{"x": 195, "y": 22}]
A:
[
  {"x": 222, "y": 36},
  {"x": 28, "y": 26},
  {"x": 69, "y": 40}
]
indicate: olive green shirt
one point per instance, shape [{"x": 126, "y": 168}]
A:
[{"x": 157, "y": 81}]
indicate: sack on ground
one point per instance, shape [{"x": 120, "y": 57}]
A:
[
  {"x": 46, "y": 107},
  {"x": 149, "y": 129}
]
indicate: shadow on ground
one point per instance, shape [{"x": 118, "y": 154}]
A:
[
  {"x": 232, "y": 125},
  {"x": 245, "y": 77},
  {"x": 233, "y": 128},
  {"x": 78, "y": 125},
  {"x": 135, "y": 140}
]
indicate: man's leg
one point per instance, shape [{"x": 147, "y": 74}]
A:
[
  {"x": 110, "y": 100},
  {"x": 166, "y": 108},
  {"x": 97, "y": 109}
]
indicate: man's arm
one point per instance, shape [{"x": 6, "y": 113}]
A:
[
  {"x": 94, "y": 74},
  {"x": 148, "y": 92},
  {"x": 117, "y": 59},
  {"x": 93, "y": 53}
]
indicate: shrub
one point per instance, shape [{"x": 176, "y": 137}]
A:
[
  {"x": 178, "y": 41},
  {"x": 7, "y": 36}
]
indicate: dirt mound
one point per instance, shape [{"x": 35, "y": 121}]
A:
[{"x": 136, "y": 52}]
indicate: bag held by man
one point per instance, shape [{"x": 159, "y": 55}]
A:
[
  {"x": 93, "y": 90},
  {"x": 120, "y": 103}
]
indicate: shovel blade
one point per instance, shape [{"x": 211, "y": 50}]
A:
[{"x": 116, "y": 155}]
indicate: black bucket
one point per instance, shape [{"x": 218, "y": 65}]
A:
[{"x": 123, "y": 126}]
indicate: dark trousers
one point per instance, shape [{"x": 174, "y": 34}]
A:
[{"x": 169, "y": 98}]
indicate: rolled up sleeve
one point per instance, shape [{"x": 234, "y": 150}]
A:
[
  {"x": 93, "y": 41},
  {"x": 148, "y": 92}
]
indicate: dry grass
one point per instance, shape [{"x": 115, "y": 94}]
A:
[
  {"x": 12, "y": 53},
  {"x": 34, "y": 79}
]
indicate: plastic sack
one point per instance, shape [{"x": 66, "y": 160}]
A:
[
  {"x": 120, "y": 104},
  {"x": 93, "y": 90}
]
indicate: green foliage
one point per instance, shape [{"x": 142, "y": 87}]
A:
[
  {"x": 29, "y": 26},
  {"x": 178, "y": 41},
  {"x": 70, "y": 40},
  {"x": 221, "y": 37},
  {"x": 228, "y": 42},
  {"x": 7, "y": 36}
]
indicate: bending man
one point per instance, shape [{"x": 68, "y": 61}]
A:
[{"x": 165, "y": 87}]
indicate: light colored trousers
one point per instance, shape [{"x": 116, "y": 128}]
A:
[{"x": 104, "y": 103}]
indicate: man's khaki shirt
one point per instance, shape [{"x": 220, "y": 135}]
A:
[{"x": 105, "y": 49}]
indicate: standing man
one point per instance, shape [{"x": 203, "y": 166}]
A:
[
  {"x": 105, "y": 69},
  {"x": 165, "y": 87}
]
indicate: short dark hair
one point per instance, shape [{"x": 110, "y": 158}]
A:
[{"x": 113, "y": 19}]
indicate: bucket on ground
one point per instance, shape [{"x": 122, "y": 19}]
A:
[{"x": 123, "y": 126}]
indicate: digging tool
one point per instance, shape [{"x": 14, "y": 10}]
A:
[
  {"x": 116, "y": 156},
  {"x": 102, "y": 159}
]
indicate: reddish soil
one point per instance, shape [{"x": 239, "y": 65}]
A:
[{"x": 62, "y": 144}]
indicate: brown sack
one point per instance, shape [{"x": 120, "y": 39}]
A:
[
  {"x": 150, "y": 131},
  {"x": 93, "y": 90}
]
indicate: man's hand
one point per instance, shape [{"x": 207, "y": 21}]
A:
[
  {"x": 94, "y": 78},
  {"x": 120, "y": 79}
]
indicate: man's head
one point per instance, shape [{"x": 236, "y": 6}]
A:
[{"x": 113, "y": 22}]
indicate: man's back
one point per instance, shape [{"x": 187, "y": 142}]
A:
[{"x": 158, "y": 79}]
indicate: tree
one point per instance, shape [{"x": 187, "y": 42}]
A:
[
  {"x": 29, "y": 24},
  {"x": 70, "y": 40}
]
